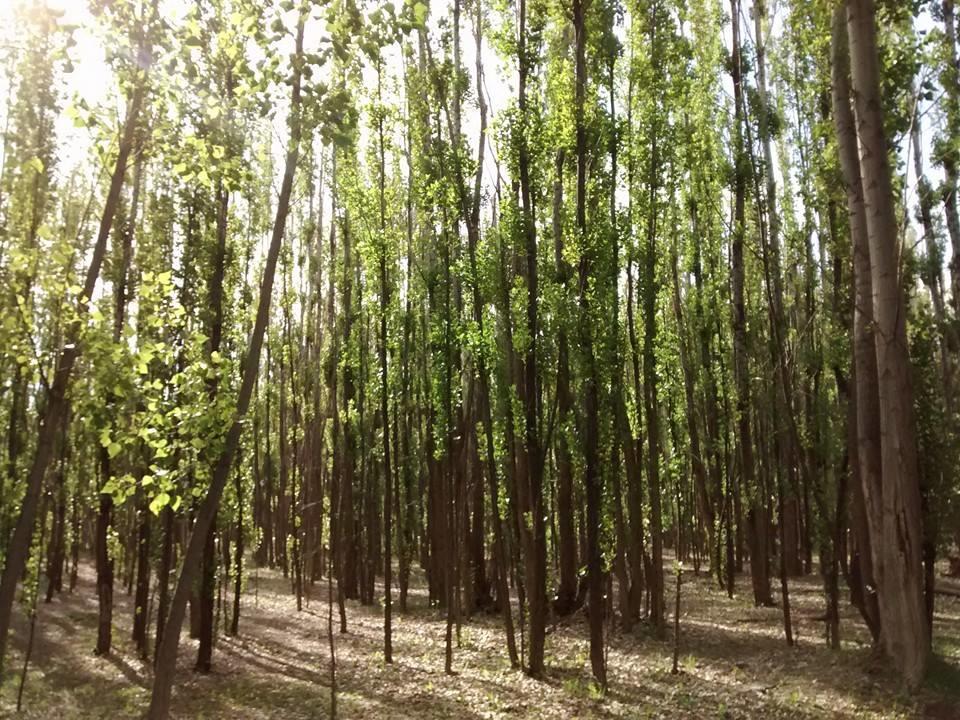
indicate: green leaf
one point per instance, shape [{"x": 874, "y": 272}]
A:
[
  {"x": 113, "y": 449},
  {"x": 159, "y": 503},
  {"x": 420, "y": 14}
]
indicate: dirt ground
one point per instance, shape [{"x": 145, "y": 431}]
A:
[{"x": 734, "y": 663}]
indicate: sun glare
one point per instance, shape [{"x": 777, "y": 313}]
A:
[{"x": 13, "y": 12}]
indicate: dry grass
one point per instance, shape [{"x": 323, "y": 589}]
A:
[{"x": 734, "y": 664}]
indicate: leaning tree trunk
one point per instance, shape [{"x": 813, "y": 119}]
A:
[
  {"x": 167, "y": 655},
  {"x": 56, "y": 403}
]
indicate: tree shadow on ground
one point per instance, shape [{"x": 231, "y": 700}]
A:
[{"x": 735, "y": 664}]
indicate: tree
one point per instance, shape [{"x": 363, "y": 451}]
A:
[
  {"x": 899, "y": 566},
  {"x": 167, "y": 654},
  {"x": 591, "y": 392},
  {"x": 56, "y": 401}
]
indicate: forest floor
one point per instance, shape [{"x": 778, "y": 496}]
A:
[{"x": 734, "y": 663}]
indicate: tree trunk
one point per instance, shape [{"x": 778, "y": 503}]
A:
[
  {"x": 565, "y": 602},
  {"x": 142, "y": 596},
  {"x": 651, "y": 380},
  {"x": 385, "y": 397},
  {"x": 167, "y": 655},
  {"x": 949, "y": 78},
  {"x": 163, "y": 578},
  {"x": 865, "y": 398},
  {"x": 531, "y": 486},
  {"x": 591, "y": 395},
  {"x": 899, "y": 564},
  {"x": 759, "y": 568}
]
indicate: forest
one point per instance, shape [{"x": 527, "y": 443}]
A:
[{"x": 479, "y": 359}]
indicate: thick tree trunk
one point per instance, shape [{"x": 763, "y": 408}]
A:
[
  {"x": 104, "y": 562},
  {"x": 897, "y": 554},
  {"x": 208, "y": 573},
  {"x": 865, "y": 459}
]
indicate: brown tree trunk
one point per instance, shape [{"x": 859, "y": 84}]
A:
[
  {"x": 949, "y": 78},
  {"x": 702, "y": 495},
  {"x": 531, "y": 486},
  {"x": 238, "y": 555},
  {"x": 897, "y": 557},
  {"x": 865, "y": 459},
  {"x": 565, "y": 601},
  {"x": 759, "y": 567},
  {"x": 349, "y": 579},
  {"x": 208, "y": 572},
  {"x": 384, "y": 399},
  {"x": 142, "y": 595},
  {"x": 591, "y": 395},
  {"x": 57, "y": 554},
  {"x": 651, "y": 400},
  {"x": 635, "y": 549},
  {"x": 167, "y": 655},
  {"x": 105, "y": 563},
  {"x": 205, "y": 599},
  {"x": 163, "y": 578}
]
